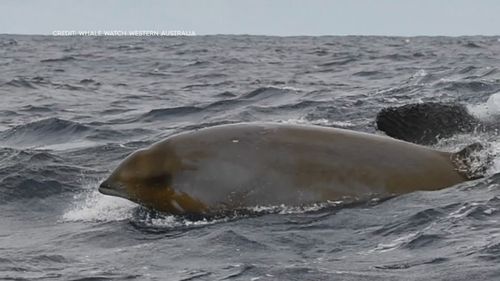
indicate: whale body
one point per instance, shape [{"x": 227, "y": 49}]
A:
[{"x": 237, "y": 166}]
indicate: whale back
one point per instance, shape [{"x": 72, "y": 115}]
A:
[{"x": 299, "y": 164}]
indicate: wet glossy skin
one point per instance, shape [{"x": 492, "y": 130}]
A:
[{"x": 245, "y": 165}]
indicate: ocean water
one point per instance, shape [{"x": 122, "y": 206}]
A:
[{"x": 73, "y": 107}]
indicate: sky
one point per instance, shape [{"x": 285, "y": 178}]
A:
[{"x": 258, "y": 17}]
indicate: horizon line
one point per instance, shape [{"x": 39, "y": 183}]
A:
[{"x": 257, "y": 34}]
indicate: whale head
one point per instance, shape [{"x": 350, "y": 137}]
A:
[
  {"x": 146, "y": 177},
  {"x": 141, "y": 174}
]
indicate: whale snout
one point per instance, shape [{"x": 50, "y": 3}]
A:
[{"x": 109, "y": 187}]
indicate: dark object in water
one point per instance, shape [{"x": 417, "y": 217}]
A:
[{"x": 425, "y": 123}]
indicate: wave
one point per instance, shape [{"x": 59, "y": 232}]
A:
[
  {"x": 28, "y": 174},
  {"x": 8, "y": 42},
  {"x": 234, "y": 61},
  {"x": 192, "y": 51},
  {"x": 469, "y": 86},
  {"x": 37, "y": 109},
  {"x": 164, "y": 113},
  {"x": 366, "y": 73},
  {"x": 32, "y": 83},
  {"x": 422, "y": 240},
  {"x": 319, "y": 52},
  {"x": 477, "y": 73},
  {"x": 88, "y": 81},
  {"x": 471, "y": 44},
  {"x": 300, "y": 105},
  {"x": 268, "y": 95},
  {"x": 60, "y": 59},
  {"x": 8, "y": 113},
  {"x": 467, "y": 69},
  {"x": 198, "y": 63},
  {"x": 490, "y": 252},
  {"x": 408, "y": 264},
  {"x": 19, "y": 187},
  {"x": 126, "y": 48},
  {"x": 20, "y": 83},
  {"x": 396, "y": 57},
  {"x": 208, "y": 76},
  {"x": 421, "y": 55},
  {"x": 266, "y": 92},
  {"x": 43, "y": 132},
  {"x": 412, "y": 223},
  {"x": 225, "y": 95},
  {"x": 338, "y": 62},
  {"x": 69, "y": 87}
]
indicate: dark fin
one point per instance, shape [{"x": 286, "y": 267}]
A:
[
  {"x": 425, "y": 123},
  {"x": 472, "y": 161}
]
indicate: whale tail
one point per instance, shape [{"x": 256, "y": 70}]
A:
[
  {"x": 472, "y": 161},
  {"x": 425, "y": 123}
]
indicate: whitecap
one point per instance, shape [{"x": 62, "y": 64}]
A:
[{"x": 92, "y": 206}]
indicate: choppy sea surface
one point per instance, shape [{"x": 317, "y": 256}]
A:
[{"x": 73, "y": 107}]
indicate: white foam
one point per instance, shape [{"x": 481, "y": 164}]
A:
[
  {"x": 420, "y": 73},
  {"x": 92, "y": 206},
  {"x": 488, "y": 110},
  {"x": 284, "y": 209},
  {"x": 494, "y": 150},
  {"x": 285, "y": 88},
  {"x": 394, "y": 244},
  {"x": 67, "y": 146},
  {"x": 319, "y": 122},
  {"x": 173, "y": 221},
  {"x": 491, "y": 153}
]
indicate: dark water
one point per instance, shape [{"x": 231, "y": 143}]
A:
[{"x": 72, "y": 108}]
